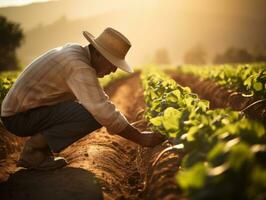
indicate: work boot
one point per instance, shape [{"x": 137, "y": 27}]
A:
[
  {"x": 37, "y": 155},
  {"x": 49, "y": 163}
]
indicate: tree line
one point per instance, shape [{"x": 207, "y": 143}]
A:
[
  {"x": 11, "y": 37},
  {"x": 198, "y": 56}
]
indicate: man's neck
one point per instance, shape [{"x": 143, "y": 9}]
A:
[{"x": 86, "y": 47}]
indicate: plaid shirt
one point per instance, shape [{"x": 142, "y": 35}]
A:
[{"x": 62, "y": 74}]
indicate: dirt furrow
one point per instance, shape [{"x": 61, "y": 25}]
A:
[
  {"x": 109, "y": 157},
  {"x": 101, "y": 164}
]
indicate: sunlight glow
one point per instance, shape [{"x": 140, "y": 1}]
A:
[{"x": 6, "y": 3}]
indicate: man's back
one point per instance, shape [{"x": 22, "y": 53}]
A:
[
  {"x": 43, "y": 81},
  {"x": 67, "y": 74}
]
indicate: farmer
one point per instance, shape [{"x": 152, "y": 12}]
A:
[{"x": 57, "y": 100}]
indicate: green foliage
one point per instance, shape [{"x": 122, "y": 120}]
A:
[
  {"x": 6, "y": 81},
  {"x": 196, "y": 55},
  {"x": 194, "y": 178},
  {"x": 224, "y": 152},
  {"x": 250, "y": 79},
  {"x": 112, "y": 77}
]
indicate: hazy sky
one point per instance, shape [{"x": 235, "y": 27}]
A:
[
  {"x": 4, "y": 3},
  {"x": 174, "y": 25}
]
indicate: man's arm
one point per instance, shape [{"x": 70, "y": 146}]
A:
[
  {"x": 147, "y": 139},
  {"x": 85, "y": 86}
]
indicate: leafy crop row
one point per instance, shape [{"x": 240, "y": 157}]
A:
[
  {"x": 112, "y": 77},
  {"x": 250, "y": 79},
  {"x": 6, "y": 81},
  {"x": 225, "y": 153}
]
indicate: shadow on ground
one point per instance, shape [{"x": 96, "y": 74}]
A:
[{"x": 61, "y": 184}]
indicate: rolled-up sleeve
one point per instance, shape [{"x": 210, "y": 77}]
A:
[{"x": 84, "y": 84}]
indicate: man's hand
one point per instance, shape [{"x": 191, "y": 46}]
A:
[
  {"x": 145, "y": 138},
  {"x": 150, "y": 139}
]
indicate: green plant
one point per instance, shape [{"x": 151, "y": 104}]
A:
[
  {"x": 6, "y": 81},
  {"x": 225, "y": 153},
  {"x": 249, "y": 79}
]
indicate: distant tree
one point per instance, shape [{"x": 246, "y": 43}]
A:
[
  {"x": 259, "y": 52},
  {"x": 196, "y": 55},
  {"x": 233, "y": 55},
  {"x": 11, "y": 37},
  {"x": 62, "y": 20},
  {"x": 260, "y": 57},
  {"x": 161, "y": 56}
]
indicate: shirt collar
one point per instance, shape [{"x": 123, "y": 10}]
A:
[{"x": 88, "y": 53}]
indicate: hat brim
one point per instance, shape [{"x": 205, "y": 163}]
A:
[{"x": 120, "y": 63}]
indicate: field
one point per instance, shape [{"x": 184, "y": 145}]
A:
[{"x": 214, "y": 119}]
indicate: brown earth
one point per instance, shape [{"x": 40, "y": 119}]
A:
[{"x": 100, "y": 164}]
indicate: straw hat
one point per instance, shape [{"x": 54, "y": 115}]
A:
[{"x": 113, "y": 46}]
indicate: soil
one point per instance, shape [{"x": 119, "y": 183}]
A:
[{"x": 101, "y": 165}]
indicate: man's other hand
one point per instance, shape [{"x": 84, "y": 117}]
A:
[{"x": 145, "y": 138}]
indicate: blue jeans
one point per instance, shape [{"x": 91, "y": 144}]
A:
[{"x": 61, "y": 124}]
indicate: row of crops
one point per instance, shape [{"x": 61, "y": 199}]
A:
[
  {"x": 225, "y": 153},
  {"x": 249, "y": 79},
  {"x": 240, "y": 87},
  {"x": 6, "y": 81},
  {"x": 105, "y": 81}
]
